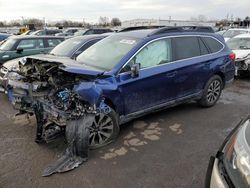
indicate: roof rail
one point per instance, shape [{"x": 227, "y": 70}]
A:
[
  {"x": 139, "y": 28},
  {"x": 203, "y": 29}
]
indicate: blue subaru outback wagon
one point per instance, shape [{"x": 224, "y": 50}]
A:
[{"x": 122, "y": 77}]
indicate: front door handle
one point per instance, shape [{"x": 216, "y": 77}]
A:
[{"x": 171, "y": 74}]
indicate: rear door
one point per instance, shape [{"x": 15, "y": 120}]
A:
[
  {"x": 155, "y": 83},
  {"x": 191, "y": 66}
]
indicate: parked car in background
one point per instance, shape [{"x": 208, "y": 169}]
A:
[
  {"x": 50, "y": 32},
  {"x": 67, "y": 32},
  {"x": 3, "y": 36},
  {"x": 122, "y": 77},
  {"x": 19, "y": 46},
  {"x": 68, "y": 49},
  {"x": 241, "y": 47},
  {"x": 92, "y": 31},
  {"x": 221, "y": 32},
  {"x": 230, "y": 33},
  {"x": 29, "y": 32},
  {"x": 230, "y": 168}
]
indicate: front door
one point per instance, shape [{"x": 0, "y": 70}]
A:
[{"x": 155, "y": 83}]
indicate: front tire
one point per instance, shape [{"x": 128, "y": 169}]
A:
[
  {"x": 92, "y": 131},
  {"x": 212, "y": 92},
  {"x": 104, "y": 130}
]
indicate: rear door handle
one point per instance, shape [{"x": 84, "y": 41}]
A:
[{"x": 171, "y": 74}]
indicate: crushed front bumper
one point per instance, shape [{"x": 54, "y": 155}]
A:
[{"x": 3, "y": 79}]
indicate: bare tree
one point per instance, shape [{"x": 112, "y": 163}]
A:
[
  {"x": 104, "y": 21},
  {"x": 34, "y": 21},
  {"x": 115, "y": 22},
  {"x": 202, "y": 18}
]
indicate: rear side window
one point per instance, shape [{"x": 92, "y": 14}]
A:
[
  {"x": 204, "y": 50},
  {"x": 186, "y": 47},
  {"x": 212, "y": 44}
]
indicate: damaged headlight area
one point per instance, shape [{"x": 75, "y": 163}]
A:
[{"x": 242, "y": 66}]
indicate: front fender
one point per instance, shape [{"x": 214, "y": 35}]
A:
[{"x": 89, "y": 92}]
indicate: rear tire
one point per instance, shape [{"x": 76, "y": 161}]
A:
[{"x": 211, "y": 92}]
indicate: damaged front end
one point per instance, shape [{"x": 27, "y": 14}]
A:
[
  {"x": 62, "y": 101},
  {"x": 242, "y": 66}
]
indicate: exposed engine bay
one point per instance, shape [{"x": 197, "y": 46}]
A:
[{"x": 43, "y": 88}]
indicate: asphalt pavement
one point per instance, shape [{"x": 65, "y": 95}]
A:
[{"x": 169, "y": 149}]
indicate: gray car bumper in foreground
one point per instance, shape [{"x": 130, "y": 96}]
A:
[{"x": 216, "y": 180}]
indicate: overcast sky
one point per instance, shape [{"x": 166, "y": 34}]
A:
[{"x": 91, "y": 10}]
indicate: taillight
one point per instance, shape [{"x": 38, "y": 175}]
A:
[{"x": 232, "y": 56}]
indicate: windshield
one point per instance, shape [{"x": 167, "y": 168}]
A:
[
  {"x": 8, "y": 44},
  {"x": 80, "y": 33},
  {"x": 107, "y": 53},
  {"x": 233, "y": 33},
  {"x": 239, "y": 43},
  {"x": 67, "y": 47}
]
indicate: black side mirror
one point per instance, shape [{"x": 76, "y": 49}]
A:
[
  {"x": 19, "y": 50},
  {"x": 135, "y": 70}
]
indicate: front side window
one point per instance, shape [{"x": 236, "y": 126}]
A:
[
  {"x": 107, "y": 53},
  {"x": 31, "y": 44},
  {"x": 186, "y": 47},
  {"x": 156, "y": 53}
]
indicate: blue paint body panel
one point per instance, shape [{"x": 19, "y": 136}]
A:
[{"x": 164, "y": 84}]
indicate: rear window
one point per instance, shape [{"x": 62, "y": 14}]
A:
[
  {"x": 186, "y": 47},
  {"x": 212, "y": 44},
  {"x": 53, "y": 42}
]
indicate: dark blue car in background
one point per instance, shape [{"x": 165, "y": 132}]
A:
[{"x": 122, "y": 77}]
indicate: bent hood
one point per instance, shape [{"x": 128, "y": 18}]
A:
[
  {"x": 12, "y": 64},
  {"x": 68, "y": 65},
  {"x": 241, "y": 54}
]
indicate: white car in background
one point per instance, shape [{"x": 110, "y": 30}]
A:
[
  {"x": 241, "y": 47},
  {"x": 230, "y": 33}
]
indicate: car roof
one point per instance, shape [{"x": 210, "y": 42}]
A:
[
  {"x": 137, "y": 33},
  {"x": 92, "y": 36},
  {"x": 34, "y": 37},
  {"x": 238, "y": 29},
  {"x": 246, "y": 35},
  {"x": 168, "y": 31}
]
